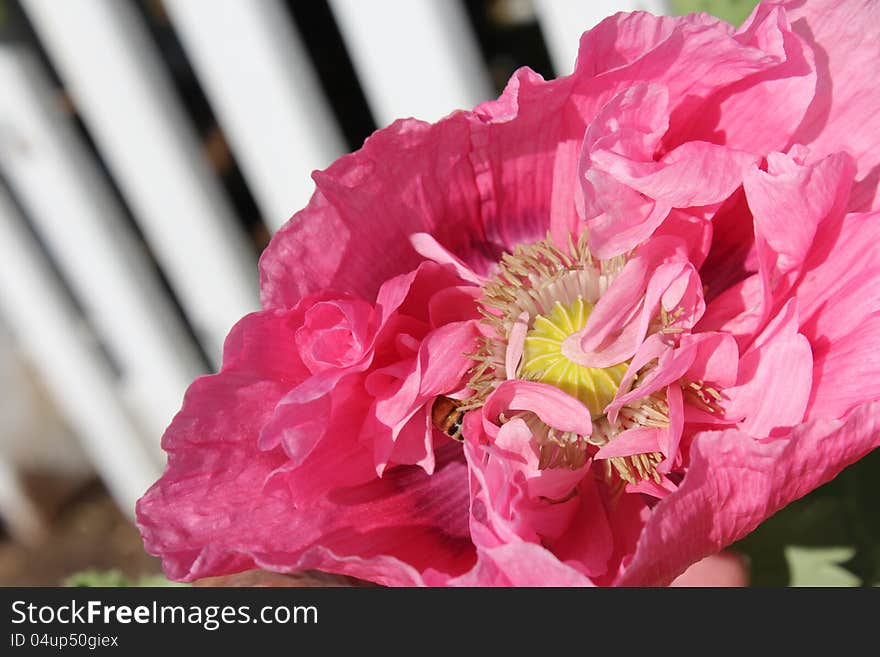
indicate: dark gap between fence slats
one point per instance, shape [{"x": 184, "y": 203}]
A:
[
  {"x": 509, "y": 37},
  {"x": 317, "y": 28}
]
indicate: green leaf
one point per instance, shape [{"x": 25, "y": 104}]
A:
[
  {"x": 820, "y": 566},
  {"x": 115, "y": 578},
  {"x": 732, "y": 11}
]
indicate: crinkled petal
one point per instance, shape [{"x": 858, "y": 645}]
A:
[
  {"x": 409, "y": 178},
  {"x": 775, "y": 377},
  {"x": 736, "y": 481},
  {"x": 845, "y": 38}
]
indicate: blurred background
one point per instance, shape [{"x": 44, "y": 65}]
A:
[{"x": 148, "y": 151}]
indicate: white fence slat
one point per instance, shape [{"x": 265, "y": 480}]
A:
[
  {"x": 47, "y": 328},
  {"x": 103, "y": 53},
  {"x": 413, "y": 57},
  {"x": 563, "y": 21},
  {"x": 67, "y": 198},
  {"x": 20, "y": 515},
  {"x": 258, "y": 77}
]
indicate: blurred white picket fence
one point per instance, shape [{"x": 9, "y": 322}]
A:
[{"x": 412, "y": 58}]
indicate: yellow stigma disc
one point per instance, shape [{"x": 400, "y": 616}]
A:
[{"x": 543, "y": 360}]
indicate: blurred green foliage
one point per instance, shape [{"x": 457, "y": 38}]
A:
[
  {"x": 732, "y": 11},
  {"x": 115, "y": 578}
]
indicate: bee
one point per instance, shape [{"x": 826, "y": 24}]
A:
[{"x": 447, "y": 415}]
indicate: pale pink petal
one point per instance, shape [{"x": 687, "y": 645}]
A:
[
  {"x": 790, "y": 199},
  {"x": 671, "y": 438},
  {"x": 846, "y": 373},
  {"x": 556, "y": 408},
  {"x": 516, "y": 340},
  {"x": 430, "y": 248},
  {"x": 726, "y": 116},
  {"x": 657, "y": 276},
  {"x": 726, "y": 569},
  {"x": 643, "y": 440},
  {"x": 845, "y": 37},
  {"x": 839, "y": 302},
  {"x": 775, "y": 377},
  {"x": 400, "y": 428}
]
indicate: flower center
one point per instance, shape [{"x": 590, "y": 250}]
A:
[
  {"x": 543, "y": 359},
  {"x": 540, "y": 296}
]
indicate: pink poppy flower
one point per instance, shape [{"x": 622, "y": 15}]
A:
[{"x": 646, "y": 296}]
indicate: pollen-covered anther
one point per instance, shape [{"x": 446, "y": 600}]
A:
[
  {"x": 652, "y": 412},
  {"x": 556, "y": 448},
  {"x": 703, "y": 396}
]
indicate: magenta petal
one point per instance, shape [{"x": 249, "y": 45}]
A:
[
  {"x": 735, "y": 482},
  {"x": 204, "y": 519},
  {"x": 588, "y": 544}
]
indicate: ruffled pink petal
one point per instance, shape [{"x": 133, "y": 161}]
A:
[
  {"x": 726, "y": 116},
  {"x": 775, "y": 377},
  {"x": 511, "y": 497},
  {"x": 513, "y": 500},
  {"x": 401, "y": 434},
  {"x": 692, "y": 59},
  {"x": 814, "y": 193},
  {"x": 716, "y": 358},
  {"x": 588, "y": 543},
  {"x": 410, "y": 294},
  {"x": 844, "y": 36},
  {"x": 735, "y": 482},
  {"x": 454, "y": 304},
  {"x": 789, "y": 189},
  {"x": 657, "y": 275},
  {"x": 516, "y": 341},
  {"x": 555, "y": 408},
  {"x": 209, "y": 515},
  {"x": 839, "y": 305},
  {"x": 515, "y": 444},
  {"x": 335, "y": 333},
  {"x": 671, "y": 438},
  {"x": 522, "y": 147},
  {"x": 262, "y": 343},
  {"x": 431, "y": 249}
]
